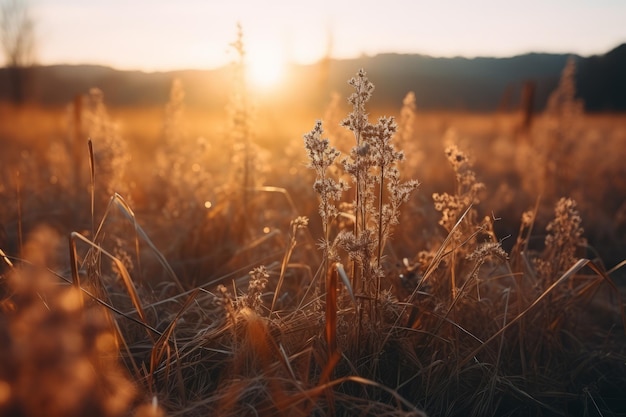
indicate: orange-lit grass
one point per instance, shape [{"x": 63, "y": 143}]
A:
[{"x": 203, "y": 363}]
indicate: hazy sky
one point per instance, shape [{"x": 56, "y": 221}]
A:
[{"x": 169, "y": 34}]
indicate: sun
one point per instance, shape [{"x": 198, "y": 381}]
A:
[{"x": 265, "y": 69}]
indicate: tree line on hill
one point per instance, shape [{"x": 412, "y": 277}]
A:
[{"x": 465, "y": 84}]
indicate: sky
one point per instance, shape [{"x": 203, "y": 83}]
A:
[{"x": 160, "y": 35}]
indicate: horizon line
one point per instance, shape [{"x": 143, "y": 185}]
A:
[{"x": 316, "y": 62}]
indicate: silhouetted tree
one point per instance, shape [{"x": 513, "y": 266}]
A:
[{"x": 17, "y": 36}]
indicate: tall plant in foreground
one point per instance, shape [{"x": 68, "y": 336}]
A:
[
  {"x": 372, "y": 166},
  {"x": 322, "y": 157}
]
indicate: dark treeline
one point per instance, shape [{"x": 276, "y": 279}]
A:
[{"x": 476, "y": 84}]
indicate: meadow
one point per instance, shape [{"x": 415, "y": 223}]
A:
[{"x": 169, "y": 261}]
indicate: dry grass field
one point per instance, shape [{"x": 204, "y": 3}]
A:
[{"x": 173, "y": 261}]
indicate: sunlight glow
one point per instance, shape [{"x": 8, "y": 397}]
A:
[{"x": 266, "y": 68}]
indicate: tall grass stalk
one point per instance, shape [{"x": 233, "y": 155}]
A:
[
  {"x": 296, "y": 225},
  {"x": 322, "y": 157},
  {"x": 356, "y": 122}
]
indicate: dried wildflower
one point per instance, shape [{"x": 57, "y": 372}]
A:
[
  {"x": 465, "y": 176},
  {"x": 390, "y": 307},
  {"x": 562, "y": 103},
  {"x": 226, "y": 300},
  {"x": 566, "y": 225},
  {"x": 373, "y": 167},
  {"x": 300, "y": 222},
  {"x": 360, "y": 247},
  {"x": 321, "y": 157},
  {"x": 360, "y": 161},
  {"x": 467, "y": 193},
  {"x": 528, "y": 217},
  {"x": 565, "y": 235},
  {"x": 450, "y": 206},
  {"x": 407, "y": 118},
  {"x": 357, "y": 119},
  {"x": 379, "y": 137},
  {"x": 256, "y": 285},
  {"x": 487, "y": 249},
  {"x": 456, "y": 157},
  {"x": 386, "y": 160},
  {"x": 400, "y": 192}
]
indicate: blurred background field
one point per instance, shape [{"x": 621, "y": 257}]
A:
[{"x": 512, "y": 161}]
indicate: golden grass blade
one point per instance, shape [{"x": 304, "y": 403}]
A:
[
  {"x": 74, "y": 267},
  {"x": 616, "y": 267},
  {"x": 283, "y": 269},
  {"x": 18, "y": 190},
  {"x": 593, "y": 401},
  {"x": 323, "y": 387},
  {"x": 128, "y": 282},
  {"x": 119, "y": 337},
  {"x": 294, "y": 212},
  {"x": 222, "y": 279},
  {"x": 330, "y": 327},
  {"x": 130, "y": 214},
  {"x": 346, "y": 281},
  {"x": 614, "y": 288},
  {"x": 6, "y": 259},
  {"x": 331, "y": 363},
  {"x": 305, "y": 299},
  {"x": 439, "y": 255},
  {"x": 504, "y": 316},
  {"x": 575, "y": 268},
  {"x": 161, "y": 346},
  {"x": 92, "y": 178},
  {"x": 285, "y": 360},
  {"x": 126, "y": 210},
  {"x": 279, "y": 190},
  {"x": 530, "y": 398},
  {"x": 433, "y": 266},
  {"x": 456, "y": 298},
  {"x": 532, "y": 225},
  {"x": 97, "y": 299}
]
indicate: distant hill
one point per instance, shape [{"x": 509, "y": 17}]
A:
[
  {"x": 476, "y": 84},
  {"x": 59, "y": 84},
  {"x": 601, "y": 80}
]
